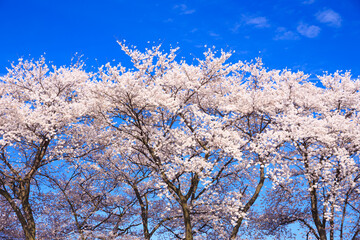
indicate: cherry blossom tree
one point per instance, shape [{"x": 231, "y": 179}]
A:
[
  {"x": 9, "y": 225},
  {"x": 197, "y": 129},
  {"x": 317, "y": 166},
  {"x": 37, "y": 106},
  {"x": 153, "y": 107},
  {"x": 176, "y": 150}
]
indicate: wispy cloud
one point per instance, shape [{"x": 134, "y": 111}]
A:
[
  {"x": 284, "y": 34},
  {"x": 308, "y": 31},
  {"x": 235, "y": 28},
  {"x": 243, "y": 52},
  {"x": 258, "y": 22},
  {"x": 329, "y": 17},
  {"x": 184, "y": 9},
  {"x": 308, "y": 2},
  {"x": 213, "y": 34},
  {"x": 169, "y": 20}
]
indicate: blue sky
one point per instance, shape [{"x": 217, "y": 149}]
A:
[{"x": 308, "y": 35}]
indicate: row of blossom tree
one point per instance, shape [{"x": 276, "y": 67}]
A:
[{"x": 169, "y": 150}]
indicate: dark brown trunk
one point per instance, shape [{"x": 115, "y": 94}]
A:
[
  {"x": 249, "y": 203},
  {"x": 315, "y": 213},
  {"x": 29, "y": 228},
  {"x": 26, "y": 217},
  {"x": 187, "y": 221},
  {"x": 29, "y": 231},
  {"x": 182, "y": 200},
  {"x": 144, "y": 211},
  {"x": 332, "y": 224}
]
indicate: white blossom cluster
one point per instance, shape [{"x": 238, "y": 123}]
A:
[{"x": 171, "y": 150}]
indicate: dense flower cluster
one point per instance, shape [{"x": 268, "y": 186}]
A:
[{"x": 177, "y": 151}]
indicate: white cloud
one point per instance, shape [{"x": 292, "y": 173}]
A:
[
  {"x": 308, "y": 31},
  {"x": 284, "y": 34},
  {"x": 259, "y": 22},
  {"x": 329, "y": 17},
  {"x": 235, "y": 28},
  {"x": 243, "y": 52},
  {"x": 308, "y": 2},
  {"x": 184, "y": 10},
  {"x": 213, "y": 34},
  {"x": 169, "y": 20}
]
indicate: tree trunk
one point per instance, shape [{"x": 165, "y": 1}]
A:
[
  {"x": 25, "y": 217},
  {"x": 315, "y": 213},
  {"x": 144, "y": 210},
  {"x": 29, "y": 231},
  {"x": 27, "y": 221},
  {"x": 29, "y": 228},
  {"x": 187, "y": 221},
  {"x": 182, "y": 200},
  {"x": 332, "y": 224},
  {"x": 249, "y": 203}
]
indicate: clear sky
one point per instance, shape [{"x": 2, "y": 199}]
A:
[{"x": 308, "y": 35}]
